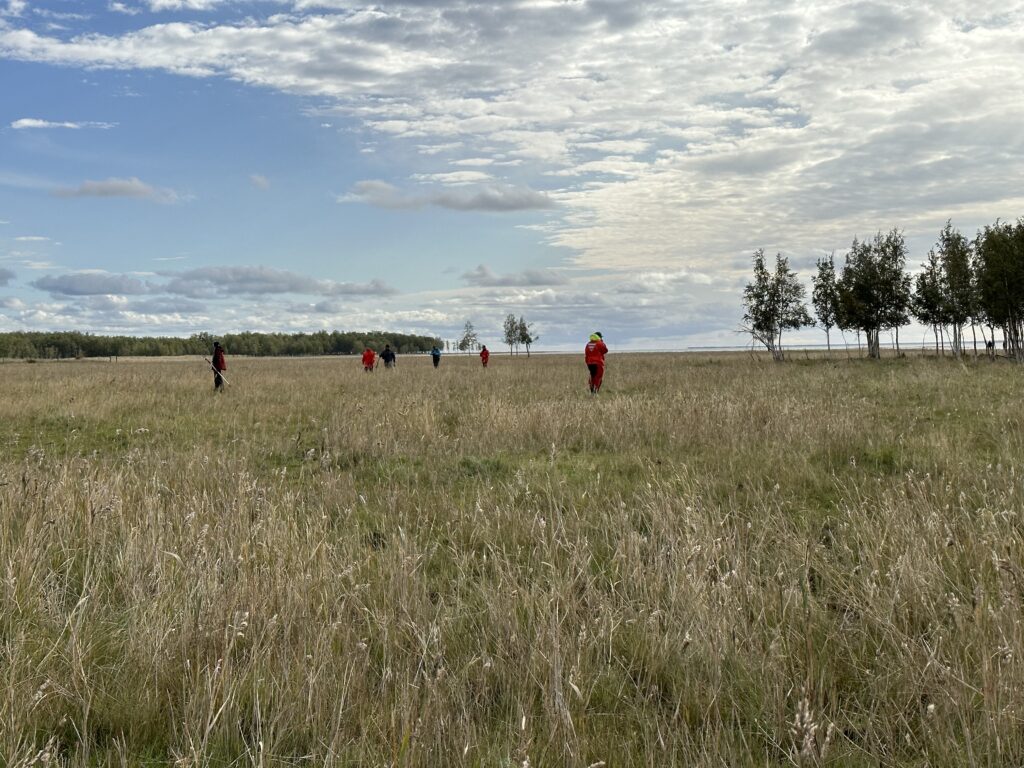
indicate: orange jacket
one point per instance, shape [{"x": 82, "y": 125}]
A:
[
  {"x": 369, "y": 356},
  {"x": 595, "y": 352}
]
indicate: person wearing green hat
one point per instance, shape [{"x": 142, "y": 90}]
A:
[{"x": 593, "y": 355}]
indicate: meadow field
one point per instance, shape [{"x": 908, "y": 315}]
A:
[{"x": 719, "y": 561}]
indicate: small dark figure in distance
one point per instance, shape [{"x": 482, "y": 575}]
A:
[
  {"x": 219, "y": 365},
  {"x": 593, "y": 355},
  {"x": 388, "y": 356},
  {"x": 485, "y": 355},
  {"x": 435, "y": 356},
  {"x": 369, "y": 360}
]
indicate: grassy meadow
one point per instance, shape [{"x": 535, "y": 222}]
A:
[{"x": 719, "y": 561}]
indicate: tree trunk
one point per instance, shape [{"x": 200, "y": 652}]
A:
[
  {"x": 828, "y": 341},
  {"x": 874, "y": 351},
  {"x": 897, "y": 341}
]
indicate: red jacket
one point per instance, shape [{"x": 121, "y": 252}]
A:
[
  {"x": 219, "y": 362},
  {"x": 368, "y": 357},
  {"x": 595, "y": 352},
  {"x": 485, "y": 355}
]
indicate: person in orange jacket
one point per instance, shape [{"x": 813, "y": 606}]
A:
[
  {"x": 593, "y": 355},
  {"x": 369, "y": 359},
  {"x": 485, "y": 355}
]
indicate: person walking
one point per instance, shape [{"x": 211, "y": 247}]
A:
[
  {"x": 369, "y": 360},
  {"x": 435, "y": 356},
  {"x": 219, "y": 365},
  {"x": 593, "y": 355},
  {"x": 388, "y": 356},
  {"x": 485, "y": 355}
]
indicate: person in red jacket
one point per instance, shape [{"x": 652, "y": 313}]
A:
[
  {"x": 485, "y": 355},
  {"x": 369, "y": 359},
  {"x": 593, "y": 355},
  {"x": 219, "y": 364}
]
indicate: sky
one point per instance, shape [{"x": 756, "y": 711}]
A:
[{"x": 175, "y": 166}]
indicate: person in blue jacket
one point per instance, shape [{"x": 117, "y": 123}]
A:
[{"x": 435, "y": 356}]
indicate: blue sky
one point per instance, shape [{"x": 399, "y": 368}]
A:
[{"x": 171, "y": 166}]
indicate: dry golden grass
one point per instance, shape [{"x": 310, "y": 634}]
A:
[{"x": 719, "y": 561}]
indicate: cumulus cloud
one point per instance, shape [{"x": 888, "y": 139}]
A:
[
  {"x": 482, "y": 276},
  {"x": 211, "y": 282},
  {"x": 679, "y": 138},
  {"x": 114, "y": 187},
  {"x": 90, "y": 283},
  {"x": 31, "y": 122},
  {"x": 6, "y": 276},
  {"x": 494, "y": 198}
]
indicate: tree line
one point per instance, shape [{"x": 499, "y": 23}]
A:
[
  {"x": 72, "y": 344},
  {"x": 964, "y": 283}
]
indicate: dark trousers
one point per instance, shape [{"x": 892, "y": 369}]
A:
[
  {"x": 218, "y": 380},
  {"x": 437, "y": 361}
]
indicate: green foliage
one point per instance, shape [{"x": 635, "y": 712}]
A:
[
  {"x": 72, "y": 344},
  {"x": 469, "y": 338},
  {"x": 510, "y": 329},
  {"x": 874, "y": 288},
  {"x": 773, "y": 303},
  {"x": 825, "y": 296},
  {"x": 525, "y": 333},
  {"x": 1000, "y": 281}
]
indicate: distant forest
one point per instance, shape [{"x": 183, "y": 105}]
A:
[{"x": 72, "y": 344}]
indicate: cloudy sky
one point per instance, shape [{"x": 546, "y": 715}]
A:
[{"x": 171, "y": 166}]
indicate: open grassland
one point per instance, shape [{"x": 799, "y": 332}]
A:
[{"x": 719, "y": 561}]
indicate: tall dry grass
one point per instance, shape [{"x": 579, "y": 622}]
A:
[{"x": 716, "y": 562}]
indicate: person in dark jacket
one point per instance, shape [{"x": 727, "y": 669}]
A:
[
  {"x": 219, "y": 365},
  {"x": 435, "y": 356},
  {"x": 388, "y": 356}
]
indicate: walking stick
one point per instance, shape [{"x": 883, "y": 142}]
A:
[{"x": 219, "y": 373}]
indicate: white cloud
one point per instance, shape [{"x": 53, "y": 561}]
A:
[
  {"x": 89, "y": 283},
  {"x": 482, "y": 276},
  {"x": 114, "y": 187},
  {"x": 681, "y": 136},
  {"x": 180, "y": 5},
  {"x": 210, "y": 282},
  {"x": 123, "y": 8},
  {"x": 494, "y": 198},
  {"x": 31, "y": 122},
  {"x": 258, "y": 181},
  {"x": 454, "y": 177},
  {"x": 14, "y": 8},
  {"x": 31, "y": 239}
]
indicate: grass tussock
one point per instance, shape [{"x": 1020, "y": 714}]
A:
[{"x": 716, "y": 562}]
